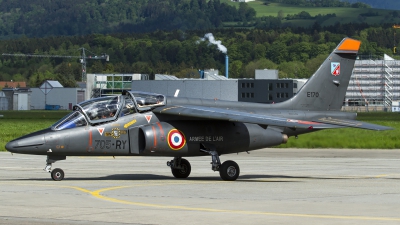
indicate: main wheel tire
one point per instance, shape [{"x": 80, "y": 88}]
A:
[
  {"x": 57, "y": 174},
  {"x": 229, "y": 170},
  {"x": 184, "y": 171}
]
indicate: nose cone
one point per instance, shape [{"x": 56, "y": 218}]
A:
[
  {"x": 12, "y": 146},
  {"x": 28, "y": 144}
]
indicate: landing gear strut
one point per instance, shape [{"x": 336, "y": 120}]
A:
[
  {"x": 180, "y": 168},
  {"x": 57, "y": 174},
  {"x": 229, "y": 170}
]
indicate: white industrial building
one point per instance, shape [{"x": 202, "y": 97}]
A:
[
  {"x": 3, "y": 101},
  {"x": 105, "y": 84},
  {"x": 15, "y": 99},
  {"x": 374, "y": 84}
]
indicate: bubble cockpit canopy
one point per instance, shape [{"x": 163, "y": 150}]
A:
[{"x": 104, "y": 109}]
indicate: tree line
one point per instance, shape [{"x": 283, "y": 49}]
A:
[
  {"x": 387, "y": 4},
  {"x": 296, "y": 53},
  {"x": 324, "y": 3},
  {"x": 38, "y": 18}
]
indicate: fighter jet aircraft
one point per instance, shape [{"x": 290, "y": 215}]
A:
[{"x": 149, "y": 124}]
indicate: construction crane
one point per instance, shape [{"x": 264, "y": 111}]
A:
[
  {"x": 394, "y": 38},
  {"x": 82, "y": 58}
]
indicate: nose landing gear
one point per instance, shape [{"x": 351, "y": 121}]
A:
[{"x": 57, "y": 174}]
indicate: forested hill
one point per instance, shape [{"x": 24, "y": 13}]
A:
[
  {"x": 295, "y": 54},
  {"x": 381, "y": 4},
  {"x": 39, "y": 18},
  {"x": 43, "y": 18}
]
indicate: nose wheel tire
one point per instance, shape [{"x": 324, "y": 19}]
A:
[
  {"x": 184, "y": 171},
  {"x": 57, "y": 174},
  {"x": 229, "y": 170}
]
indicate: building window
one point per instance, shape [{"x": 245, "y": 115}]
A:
[
  {"x": 278, "y": 85},
  {"x": 248, "y": 95},
  {"x": 282, "y": 95},
  {"x": 270, "y": 87},
  {"x": 286, "y": 85},
  {"x": 252, "y": 95},
  {"x": 243, "y": 85},
  {"x": 243, "y": 95},
  {"x": 295, "y": 85},
  {"x": 277, "y": 95},
  {"x": 287, "y": 95},
  {"x": 282, "y": 85},
  {"x": 269, "y": 97},
  {"x": 248, "y": 85},
  {"x": 252, "y": 85}
]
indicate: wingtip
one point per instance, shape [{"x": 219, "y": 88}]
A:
[{"x": 381, "y": 128}]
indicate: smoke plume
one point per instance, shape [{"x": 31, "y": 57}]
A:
[{"x": 212, "y": 40}]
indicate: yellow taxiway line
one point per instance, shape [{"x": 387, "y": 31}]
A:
[{"x": 97, "y": 194}]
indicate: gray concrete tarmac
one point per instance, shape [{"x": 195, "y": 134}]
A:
[{"x": 276, "y": 186}]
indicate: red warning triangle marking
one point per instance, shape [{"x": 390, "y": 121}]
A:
[
  {"x": 148, "y": 118},
  {"x": 101, "y": 130}
]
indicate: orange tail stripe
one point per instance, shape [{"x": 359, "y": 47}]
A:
[{"x": 350, "y": 45}]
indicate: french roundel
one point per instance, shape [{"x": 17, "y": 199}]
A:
[{"x": 176, "y": 140}]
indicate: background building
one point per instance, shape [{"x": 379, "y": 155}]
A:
[
  {"x": 219, "y": 87},
  {"x": 374, "y": 84},
  {"x": 15, "y": 99},
  {"x": 191, "y": 88},
  {"x": 266, "y": 91},
  {"x": 266, "y": 74},
  {"x": 57, "y": 98},
  {"x": 12, "y": 84},
  {"x": 3, "y": 101},
  {"x": 108, "y": 84},
  {"x": 51, "y": 95}
]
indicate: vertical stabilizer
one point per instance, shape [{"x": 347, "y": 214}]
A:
[{"x": 326, "y": 89}]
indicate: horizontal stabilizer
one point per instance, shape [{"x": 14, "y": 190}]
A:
[{"x": 352, "y": 123}]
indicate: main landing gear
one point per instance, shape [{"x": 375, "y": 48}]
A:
[
  {"x": 229, "y": 170},
  {"x": 57, "y": 174},
  {"x": 180, "y": 168}
]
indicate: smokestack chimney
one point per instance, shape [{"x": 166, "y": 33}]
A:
[{"x": 226, "y": 66}]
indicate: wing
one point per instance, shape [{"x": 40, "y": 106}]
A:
[{"x": 237, "y": 116}]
